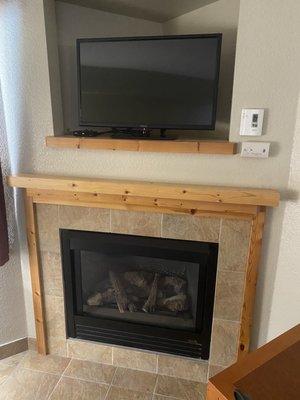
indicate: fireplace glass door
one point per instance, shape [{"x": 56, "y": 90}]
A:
[{"x": 138, "y": 291}]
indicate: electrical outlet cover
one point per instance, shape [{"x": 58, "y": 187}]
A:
[{"x": 255, "y": 149}]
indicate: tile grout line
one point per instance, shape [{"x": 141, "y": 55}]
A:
[
  {"x": 165, "y": 396},
  {"x": 3, "y": 359},
  {"x": 227, "y": 320},
  {"x": 92, "y": 361},
  {"x": 75, "y": 378},
  {"x": 109, "y": 387},
  {"x": 207, "y": 374},
  {"x": 220, "y": 231},
  {"x": 55, "y": 386},
  {"x": 40, "y": 371},
  {"x": 67, "y": 366},
  {"x": 117, "y": 366},
  {"x": 87, "y": 380},
  {"x": 156, "y": 371},
  {"x": 5, "y": 379},
  {"x": 154, "y": 390},
  {"x": 161, "y": 225},
  {"x": 60, "y": 378},
  {"x": 9, "y": 375}
]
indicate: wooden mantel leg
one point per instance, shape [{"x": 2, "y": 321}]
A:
[
  {"x": 35, "y": 274},
  {"x": 251, "y": 280}
]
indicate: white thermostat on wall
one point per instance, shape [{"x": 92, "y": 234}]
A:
[{"x": 252, "y": 121}]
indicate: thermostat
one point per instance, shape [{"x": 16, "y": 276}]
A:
[{"x": 252, "y": 121}]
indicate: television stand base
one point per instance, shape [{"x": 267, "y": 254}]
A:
[{"x": 140, "y": 134}]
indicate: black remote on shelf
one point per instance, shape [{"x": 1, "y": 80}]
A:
[{"x": 85, "y": 133}]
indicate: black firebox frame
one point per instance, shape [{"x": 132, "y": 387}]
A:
[{"x": 194, "y": 343}]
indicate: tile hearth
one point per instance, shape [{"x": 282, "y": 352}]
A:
[
  {"x": 30, "y": 376},
  {"x": 233, "y": 239},
  {"x": 231, "y": 219}
]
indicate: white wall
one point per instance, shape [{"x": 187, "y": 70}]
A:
[
  {"x": 12, "y": 309},
  {"x": 265, "y": 76},
  {"x": 75, "y": 22},
  {"x": 27, "y": 113},
  {"x": 221, "y": 16},
  {"x": 285, "y": 307}
]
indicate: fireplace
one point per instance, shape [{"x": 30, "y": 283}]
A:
[{"x": 136, "y": 291}]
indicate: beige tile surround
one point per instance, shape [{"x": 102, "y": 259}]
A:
[{"x": 233, "y": 238}]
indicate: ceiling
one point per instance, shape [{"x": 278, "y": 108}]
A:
[{"x": 153, "y": 10}]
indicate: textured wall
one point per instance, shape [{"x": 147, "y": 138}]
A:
[
  {"x": 286, "y": 298},
  {"x": 27, "y": 113},
  {"x": 266, "y": 75},
  {"x": 12, "y": 310}
]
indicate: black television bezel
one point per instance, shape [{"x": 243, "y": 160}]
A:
[{"x": 218, "y": 36}]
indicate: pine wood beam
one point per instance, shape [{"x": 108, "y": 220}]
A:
[
  {"x": 254, "y": 252},
  {"x": 37, "y": 292},
  {"x": 156, "y": 146},
  {"x": 211, "y": 194}
]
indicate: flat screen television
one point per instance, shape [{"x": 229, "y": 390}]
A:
[{"x": 161, "y": 82}]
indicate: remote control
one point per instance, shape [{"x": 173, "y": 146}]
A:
[{"x": 86, "y": 133}]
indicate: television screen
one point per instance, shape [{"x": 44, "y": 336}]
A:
[{"x": 167, "y": 82}]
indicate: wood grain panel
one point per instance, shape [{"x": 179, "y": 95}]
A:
[
  {"x": 210, "y": 194},
  {"x": 156, "y": 146},
  {"x": 250, "y": 282},
  {"x": 169, "y": 206},
  {"x": 35, "y": 274}
]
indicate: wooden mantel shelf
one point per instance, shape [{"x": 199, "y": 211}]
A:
[
  {"x": 209, "y": 201},
  {"x": 150, "y": 190},
  {"x": 157, "y": 146}
]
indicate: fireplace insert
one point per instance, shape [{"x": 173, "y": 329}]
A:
[{"x": 143, "y": 292}]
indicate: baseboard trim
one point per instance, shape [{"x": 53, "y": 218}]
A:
[
  {"x": 12, "y": 348},
  {"x": 31, "y": 343}
]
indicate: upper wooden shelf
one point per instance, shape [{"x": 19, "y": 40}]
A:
[{"x": 158, "y": 146}]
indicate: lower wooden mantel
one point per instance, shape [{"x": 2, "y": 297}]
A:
[{"x": 210, "y": 201}]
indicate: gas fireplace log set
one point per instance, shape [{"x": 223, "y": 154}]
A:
[
  {"x": 142, "y": 291},
  {"x": 139, "y": 291}
]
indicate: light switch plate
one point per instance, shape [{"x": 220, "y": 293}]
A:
[
  {"x": 255, "y": 149},
  {"x": 252, "y": 121}
]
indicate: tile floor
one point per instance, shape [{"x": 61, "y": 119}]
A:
[{"x": 29, "y": 376}]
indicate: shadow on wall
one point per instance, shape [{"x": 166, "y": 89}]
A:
[
  {"x": 16, "y": 142},
  {"x": 221, "y": 16},
  {"x": 16, "y": 108},
  {"x": 12, "y": 310},
  {"x": 6, "y": 170}
]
